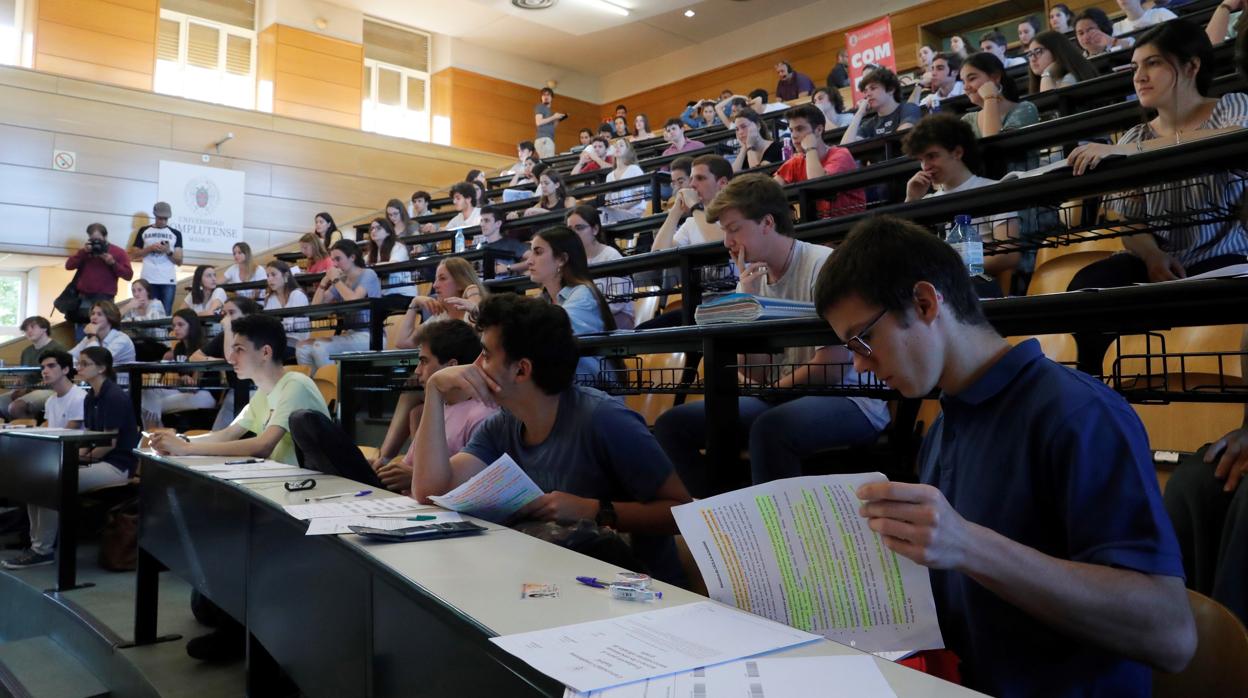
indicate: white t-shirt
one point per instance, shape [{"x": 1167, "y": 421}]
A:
[
  {"x": 984, "y": 223},
  {"x": 614, "y": 286},
  {"x": 61, "y": 410},
  {"x": 1157, "y": 15},
  {"x": 297, "y": 299},
  {"x": 934, "y": 99},
  {"x": 218, "y": 294},
  {"x": 234, "y": 276},
  {"x": 158, "y": 267},
  {"x": 690, "y": 233},
  {"x": 774, "y": 106},
  {"x": 626, "y": 204},
  {"x": 399, "y": 254},
  {"x": 459, "y": 221}
]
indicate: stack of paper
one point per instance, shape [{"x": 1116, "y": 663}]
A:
[
  {"x": 335, "y": 525},
  {"x": 494, "y": 494},
  {"x": 245, "y": 469},
  {"x": 356, "y": 506},
  {"x": 742, "y": 307}
]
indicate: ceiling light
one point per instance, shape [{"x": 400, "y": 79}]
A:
[
  {"x": 610, "y": 6},
  {"x": 533, "y": 4},
  {"x": 690, "y": 13}
]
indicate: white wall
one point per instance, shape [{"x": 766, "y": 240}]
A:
[
  {"x": 344, "y": 22},
  {"x": 450, "y": 52}
]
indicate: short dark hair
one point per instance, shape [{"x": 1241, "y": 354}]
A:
[
  {"x": 97, "y": 228},
  {"x": 261, "y": 329},
  {"x": 36, "y": 320},
  {"x": 946, "y": 131},
  {"x": 754, "y": 196},
  {"x": 953, "y": 60},
  {"x": 621, "y": 106},
  {"x": 450, "y": 339},
  {"x": 493, "y": 211},
  {"x": 684, "y": 163},
  {"x": 526, "y": 145},
  {"x": 882, "y": 259},
  {"x": 760, "y": 93},
  {"x": 63, "y": 358},
  {"x": 422, "y": 195},
  {"x": 533, "y": 329},
  {"x": 606, "y": 128},
  {"x": 838, "y": 102},
  {"x": 546, "y": 91},
  {"x": 466, "y": 190},
  {"x": 586, "y": 130},
  {"x": 1098, "y": 17},
  {"x": 1182, "y": 41},
  {"x": 884, "y": 78},
  {"x": 352, "y": 250},
  {"x": 245, "y": 305},
  {"x": 674, "y": 121},
  {"x": 995, "y": 37},
  {"x": 603, "y": 140},
  {"x": 812, "y": 114},
  {"x": 718, "y": 165}
]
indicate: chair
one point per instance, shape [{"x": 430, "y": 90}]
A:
[
  {"x": 1056, "y": 266},
  {"x": 645, "y": 308},
  {"x": 1058, "y": 347},
  {"x": 656, "y": 368},
  {"x": 326, "y": 379},
  {"x": 299, "y": 368},
  {"x": 1220, "y": 666}
]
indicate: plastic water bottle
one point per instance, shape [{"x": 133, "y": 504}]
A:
[
  {"x": 965, "y": 239},
  {"x": 459, "y": 240},
  {"x": 787, "y": 148},
  {"x": 480, "y": 242}
]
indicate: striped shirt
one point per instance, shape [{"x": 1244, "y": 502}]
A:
[{"x": 1192, "y": 244}]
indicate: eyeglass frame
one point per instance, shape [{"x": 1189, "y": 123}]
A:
[
  {"x": 858, "y": 344},
  {"x": 1032, "y": 53}
]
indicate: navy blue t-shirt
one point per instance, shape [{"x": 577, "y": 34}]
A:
[
  {"x": 110, "y": 410},
  {"x": 1052, "y": 459}
]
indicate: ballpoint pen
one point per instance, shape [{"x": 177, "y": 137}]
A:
[
  {"x": 322, "y": 498},
  {"x": 244, "y": 461}
]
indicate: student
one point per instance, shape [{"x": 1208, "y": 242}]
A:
[
  {"x": 1095, "y": 33},
  {"x": 1061, "y": 19},
  {"x": 205, "y": 297},
  {"x": 758, "y": 102},
  {"x": 1027, "y": 30},
  {"x": 314, "y": 250},
  {"x": 792, "y": 85},
  {"x": 838, "y": 76},
  {"x": 420, "y": 203},
  {"x": 215, "y": 348},
  {"x": 1138, "y": 18},
  {"x": 401, "y": 223},
  {"x": 23, "y": 403},
  {"x": 327, "y": 230},
  {"x": 103, "y": 332},
  {"x": 525, "y": 175},
  {"x": 1052, "y": 62},
  {"x": 757, "y": 147},
  {"x": 700, "y": 114},
  {"x": 726, "y": 109},
  {"x": 551, "y": 195},
  {"x": 676, "y": 141},
  {"x": 626, "y": 204},
  {"x": 925, "y": 54},
  {"x": 384, "y": 247},
  {"x": 594, "y": 458},
  {"x": 457, "y": 291},
  {"x": 348, "y": 280},
  {"x": 1174, "y": 68},
  {"x": 882, "y": 100},
  {"x": 994, "y": 42},
  {"x": 708, "y": 174},
  {"x": 619, "y": 127},
  {"x": 546, "y": 119},
  {"x": 1054, "y": 569},
  {"x": 814, "y": 158},
  {"x": 944, "y": 83},
  {"x": 584, "y": 221},
  {"x": 284, "y": 292},
  {"x": 641, "y": 128},
  {"x": 560, "y": 268},
  {"x": 958, "y": 46},
  {"x": 159, "y": 248},
  {"x": 594, "y": 157},
  {"x": 585, "y": 136},
  {"x": 157, "y": 402},
  {"x": 1223, "y": 24},
  {"x": 948, "y": 153},
  {"x": 142, "y": 306},
  {"x": 442, "y": 344},
  {"x": 244, "y": 269},
  {"x": 256, "y": 351},
  {"x": 996, "y": 94},
  {"x": 833, "y": 107},
  {"x": 758, "y": 232},
  {"x": 464, "y": 199},
  {"x": 107, "y": 408}
]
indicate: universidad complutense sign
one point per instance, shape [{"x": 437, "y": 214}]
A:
[
  {"x": 207, "y": 204},
  {"x": 870, "y": 44}
]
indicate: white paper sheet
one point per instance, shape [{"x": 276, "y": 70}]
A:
[
  {"x": 355, "y": 506},
  {"x": 762, "y": 677},
  {"x": 258, "y": 474},
  {"x": 604, "y": 653},
  {"x": 797, "y": 551},
  {"x": 494, "y": 494},
  {"x": 233, "y": 465},
  {"x": 339, "y": 524}
]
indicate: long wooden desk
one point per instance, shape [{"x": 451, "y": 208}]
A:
[{"x": 346, "y": 617}]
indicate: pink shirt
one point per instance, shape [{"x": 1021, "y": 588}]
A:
[{"x": 462, "y": 419}]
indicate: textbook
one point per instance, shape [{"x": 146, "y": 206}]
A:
[{"x": 743, "y": 307}]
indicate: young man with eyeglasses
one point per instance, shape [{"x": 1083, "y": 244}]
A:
[
  {"x": 1054, "y": 567},
  {"x": 758, "y": 232}
]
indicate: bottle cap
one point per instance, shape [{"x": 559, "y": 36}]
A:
[{"x": 962, "y": 220}]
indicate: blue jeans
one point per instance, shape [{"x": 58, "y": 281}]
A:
[
  {"x": 780, "y": 435},
  {"x": 164, "y": 294}
]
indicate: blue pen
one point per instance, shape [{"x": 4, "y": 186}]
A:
[
  {"x": 593, "y": 582},
  {"x": 361, "y": 493}
]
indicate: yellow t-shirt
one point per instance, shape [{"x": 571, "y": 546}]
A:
[{"x": 293, "y": 392}]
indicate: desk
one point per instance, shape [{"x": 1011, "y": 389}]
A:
[
  {"x": 40, "y": 467},
  {"x": 346, "y": 617}
]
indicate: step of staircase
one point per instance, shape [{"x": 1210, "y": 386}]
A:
[{"x": 38, "y": 667}]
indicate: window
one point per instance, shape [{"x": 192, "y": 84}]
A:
[
  {"x": 396, "y": 81},
  {"x": 12, "y": 304},
  {"x": 205, "y": 58},
  {"x": 10, "y": 31}
]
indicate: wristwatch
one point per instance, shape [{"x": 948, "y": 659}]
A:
[{"x": 606, "y": 514}]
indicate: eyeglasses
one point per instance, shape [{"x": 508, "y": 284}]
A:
[
  {"x": 299, "y": 486},
  {"x": 1035, "y": 52},
  {"x": 858, "y": 343}
]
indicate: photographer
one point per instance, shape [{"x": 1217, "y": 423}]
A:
[{"x": 99, "y": 265}]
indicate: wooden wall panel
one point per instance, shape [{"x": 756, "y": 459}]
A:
[
  {"x": 113, "y": 42},
  {"x": 314, "y": 77}
]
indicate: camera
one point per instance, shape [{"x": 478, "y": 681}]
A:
[{"x": 97, "y": 246}]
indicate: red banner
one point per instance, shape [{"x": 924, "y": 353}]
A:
[{"x": 870, "y": 44}]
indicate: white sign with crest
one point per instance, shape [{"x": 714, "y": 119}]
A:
[{"x": 207, "y": 205}]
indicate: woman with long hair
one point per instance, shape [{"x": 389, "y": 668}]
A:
[
  {"x": 996, "y": 95},
  {"x": 383, "y": 247},
  {"x": 559, "y": 266},
  {"x": 314, "y": 250},
  {"x": 350, "y": 279},
  {"x": 1061, "y": 19},
  {"x": 620, "y": 126},
  {"x": 629, "y": 203},
  {"x": 205, "y": 296},
  {"x": 243, "y": 269},
  {"x": 284, "y": 292},
  {"x": 552, "y": 195},
  {"x": 1053, "y": 61},
  {"x": 326, "y": 229},
  {"x": 400, "y": 222},
  {"x": 757, "y": 148},
  {"x": 584, "y": 221},
  {"x": 641, "y": 128},
  {"x": 188, "y": 335},
  {"x": 456, "y": 293},
  {"x": 1174, "y": 69}
]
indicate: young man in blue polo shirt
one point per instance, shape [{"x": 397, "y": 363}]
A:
[{"x": 1054, "y": 566}]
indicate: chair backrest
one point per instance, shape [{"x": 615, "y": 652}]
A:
[
  {"x": 1220, "y": 666},
  {"x": 656, "y": 368}
]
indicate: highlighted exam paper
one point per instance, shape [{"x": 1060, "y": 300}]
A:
[
  {"x": 797, "y": 551},
  {"x": 493, "y": 494}
]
